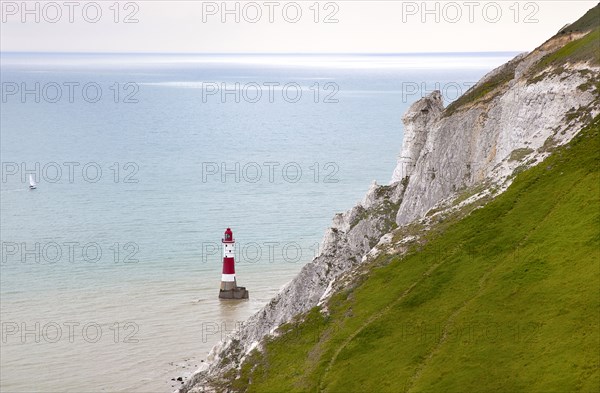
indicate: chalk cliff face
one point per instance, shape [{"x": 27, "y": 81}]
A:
[
  {"x": 487, "y": 140},
  {"x": 419, "y": 118},
  {"x": 508, "y": 121}
]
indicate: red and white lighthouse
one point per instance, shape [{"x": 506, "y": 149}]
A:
[
  {"x": 228, "y": 277},
  {"x": 229, "y": 288}
]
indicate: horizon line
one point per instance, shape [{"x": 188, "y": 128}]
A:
[{"x": 260, "y": 53}]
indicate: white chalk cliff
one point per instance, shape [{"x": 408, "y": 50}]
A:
[
  {"x": 443, "y": 153},
  {"x": 506, "y": 122}
]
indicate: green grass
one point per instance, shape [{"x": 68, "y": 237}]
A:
[
  {"x": 483, "y": 90},
  {"x": 519, "y": 154},
  {"x": 548, "y": 145},
  {"x": 504, "y": 300},
  {"x": 468, "y": 193},
  {"x": 384, "y": 210},
  {"x": 586, "y": 48},
  {"x": 589, "y": 21},
  {"x": 581, "y": 114}
]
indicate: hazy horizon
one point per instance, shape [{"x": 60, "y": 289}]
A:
[{"x": 307, "y": 27}]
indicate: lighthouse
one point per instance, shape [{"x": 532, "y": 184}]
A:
[{"x": 229, "y": 288}]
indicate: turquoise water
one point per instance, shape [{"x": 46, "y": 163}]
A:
[{"x": 159, "y": 207}]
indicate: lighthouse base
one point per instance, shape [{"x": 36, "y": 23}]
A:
[{"x": 234, "y": 293}]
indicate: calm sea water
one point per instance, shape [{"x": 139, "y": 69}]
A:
[{"x": 111, "y": 267}]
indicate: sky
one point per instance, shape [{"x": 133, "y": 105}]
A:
[{"x": 345, "y": 26}]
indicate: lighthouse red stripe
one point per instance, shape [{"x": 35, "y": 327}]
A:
[{"x": 228, "y": 266}]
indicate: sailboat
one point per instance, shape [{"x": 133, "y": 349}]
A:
[{"x": 32, "y": 185}]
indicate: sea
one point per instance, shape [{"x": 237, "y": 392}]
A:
[{"x": 111, "y": 266}]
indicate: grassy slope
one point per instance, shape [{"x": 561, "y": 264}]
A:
[
  {"x": 483, "y": 90},
  {"x": 584, "y": 49},
  {"x": 587, "y": 22},
  {"x": 506, "y": 299}
]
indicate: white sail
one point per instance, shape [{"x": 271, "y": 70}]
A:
[{"x": 31, "y": 182}]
